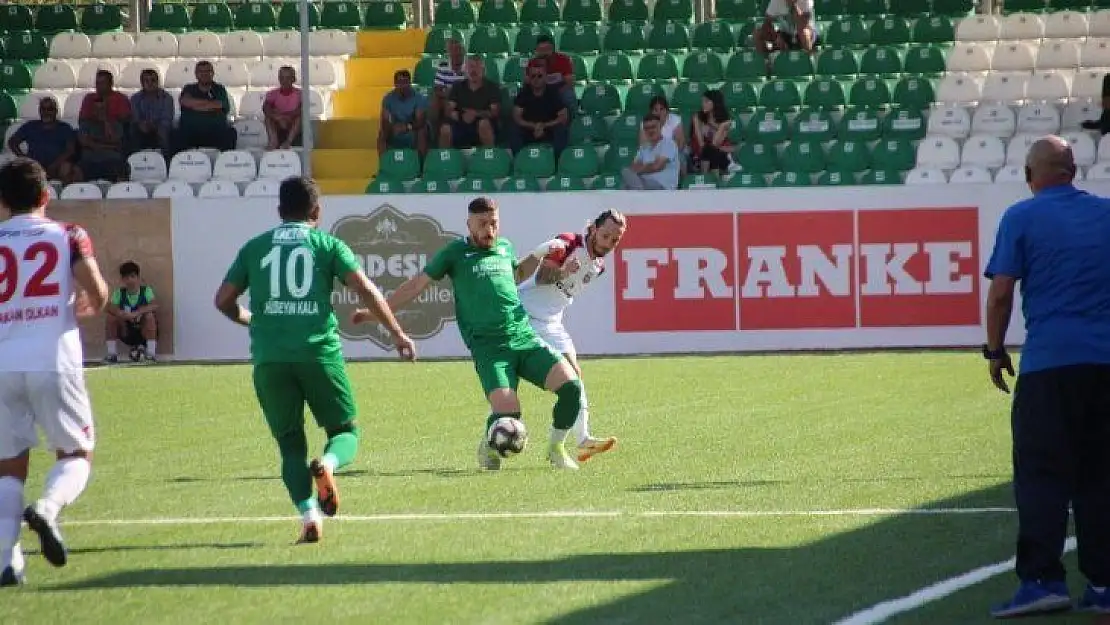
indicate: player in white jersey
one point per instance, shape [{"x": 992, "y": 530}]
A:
[
  {"x": 548, "y": 293},
  {"x": 48, "y": 278}
]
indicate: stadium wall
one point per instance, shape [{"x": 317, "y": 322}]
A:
[{"x": 723, "y": 271}]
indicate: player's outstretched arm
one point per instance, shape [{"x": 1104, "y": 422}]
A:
[
  {"x": 380, "y": 309},
  {"x": 94, "y": 289},
  {"x": 527, "y": 266},
  {"x": 227, "y": 302},
  {"x": 400, "y": 298}
]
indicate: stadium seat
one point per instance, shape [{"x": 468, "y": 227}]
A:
[
  {"x": 970, "y": 175},
  {"x": 1018, "y": 26},
  {"x": 1058, "y": 55},
  {"x": 657, "y": 65},
  {"x": 997, "y": 120},
  {"x": 791, "y": 178},
  {"x": 436, "y": 41},
  {"x": 579, "y": 162},
  {"x": 191, "y": 166},
  {"x": 27, "y": 47},
  {"x": 477, "y": 184},
  {"x": 490, "y": 39},
  {"x": 431, "y": 185},
  {"x": 251, "y": 134},
  {"x": 924, "y": 60},
  {"x": 444, "y": 164},
  {"x": 812, "y": 124},
  {"x": 235, "y": 166},
  {"x": 540, "y": 12},
  {"x": 913, "y": 92},
  {"x": 950, "y": 121},
  {"x": 1082, "y": 146},
  {"x": 127, "y": 191},
  {"x": 82, "y": 191},
  {"x": 383, "y": 186},
  {"x": 956, "y": 89},
  {"x": 197, "y": 44},
  {"x": 905, "y": 123},
  {"x": 517, "y": 184},
  {"x": 566, "y": 183},
  {"x": 715, "y": 35},
  {"x": 489, "y": 163},
  {"x": 628, "y": 11},
  {"x": 1103, "y": 149},
  {"x": 939, "y": 153},
  {"x": 154, "y": 44},
  {"x": 233, "y": 73},
  {"x": 251, "y": 104},
  {"x": 881, "y": 61},
  {"x": 600, "y": 99},
  {"x": 113, "y": 46},
  {"x": 262, "y": 188},
  {"x": 836, "y": 178},
  {"x": 978, "y": 28},
  {"x": 617, "y": 157},
  {"x": 745, "y": 180},
  {"x": 605, "y": 182},
  {"x": 881, "y": 177},
  {"x": 849, "y": 155},
  {"x": 1099, "y": 171},
  {"x": 793, "y": 64},
  {"x": 525, "y": 42},
  {"x": 982, "y": 151},
  {"x": 703, "y": 67},
  {"x": 1013, "y": 56},
  {"x": 934, "y": 29},
  {"x": 668, "y": 36},
  {"x": 535, "y": 160},
  {"x": 340, "y": 15},
  {"x": 218, "y": 189},
  {"x": 16, "y": 17},
  {"x": 767, "y": 126},
  {"x": 848, "y": 31},
  {"x": 241, "y": 44},
  {"x": 746, "y": 65},
  {"x": 613, "y": 67},
  {"x": 757, "y": 158},
  {"x": 870, "y": 92},
  {"x": 1066, "y": 25},
  {"x": 1098, "y": 23},
  {"x": 1018, "y": 148},
  {"x": 890, "y": 30},
  {"x": 70, "y": 46},
  {"x": 925, "y": 176},
  {"x": 147, "y": 166},
  {"x": 259, "y": 16},
  {"x": 215, "y": 16},
  {"x": 54, "y": 74},
  {"x": 1047, "y": 86},
  {"x": 56, "y": 18},
  {"x": 169, "y": 17},
  {"x": 1010, "y": 173},
  {"x": 968, "y": 57},
  {"x": 859, "y": 124},
  {"x": 780, "y": 95},
  {"x": 281, "y": 164},
  {"x": 588, "y": 129},
  {"x": 173, "y": 189},
  {"x": 740, "y": 96},
  {"x": 625, "y": 36},
  {"x": 455, "y": 13},
  {"x": 581, "y": 11},
  {"x": 289, "y": 18},
  {"x": 1038, "y": 118},
  {"x": 1078, "y": 111},
  {"x": 385, "y": 15},
  {"x": 580, "y": 38},
  {"x": 804, "y": 157}
]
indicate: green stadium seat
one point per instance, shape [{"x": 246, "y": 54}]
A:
[
  {"x": 385, "y": 186},
  {"x": 658, "y": 66},
  {"x": 745, "y": 33},
  {"x": 400, "y": 164},
  {"x": 489, "y": 39},
  {"x": 514, "y": 69},
  {"x": 536, "y": 160},
  {"x": 170, "y": 17},
  {"x": 849, "y": 155},
  {"x": 716, "y": 35},
  {"x": 804, "y": 157},
  {"x": 56, "y": 18},
  {"x": 101, "y": 18},
  {"x": 540, "y": 12},
  {"x": 704, "y": 67},
  {"x": 424, "y": 74},
  {"x": 628, "y": 11},
  {"x": 625, "y": 36},
  {"x": 895, "y": 154},
  {"x": 579, "y": 63},
  {"x": 793, "y": 64},
  {"x": 681, "y": 11},
  {"x": 927, "y": 60},
  {"x": 626, "y": 128},
  {"x": 739, "y": 10},
  {"x": 444, "y": 164},
  {"x": 1023, "y": 6},
  {"x": 812, "y": 125},
  {"x": 703, "y": 181},
  {"x": 825, "y": 9},
  {"x": 904, "y": 124},
  {"x": 525, "y": 42},
  {"x": 431, "y": 185},
  {"x": 436, "y": 41},
  {"x": 455, "y": 13},
  {"x": 521, "y": 185},
  {"x": 489, "y": 163},
  {"x": 1069, "y": 5},
  {"x": 746, "y": 65},
  {"x": 859, "y": 123},
  {"x": 870, "y": 92},
  {"x": 258, "y": 16},
  {"x": 582, "y": 11},
  {"x": 605, "y": 182},
  {"x": 740, "y": 96},
  {"x": 639, "y": 97},
  {"x": 500, "y": 12},
  {"x": 881, "y": 176},
  {"x": 618, "y": 156},
  {"x": 580, "y": 38},
  {"x": 780, "y": 94},
  {"x": 600, "y": 99},
  {"x": 934, "y": 29},
  {"x": 791, "y": 178},
  {"x": 837, "y": 62},
  {"x": 890, "y": 31},
  {"x": 865, "y": 7},
  {"x": 825, "y": 94},
  {"x": 27, "y": 46},
  {"x": 476, "y": 184},
  {"x": 687, "y": 97},
  {"x": 566, "y": 183},
  {"x": 384, "y": 15},
  {"x": 757, "y": 158},
  {"x": 848, "y": 31},
  {"x": 588, "y": 129},
  {"x": 340, "y": 15},
  {"x": 742, "y": 180},
  {"x": 613, "y": 67},
  {"x": 836, "y": 178},
  {"x": 881, "y": 61},
  {"x": 216, "y": 16},
  {"x": 15, "y": 77},
  {"x": 914, "y": 93},
  {"x": 668, "y": 36},
  {"x": 15, "y": 17},
  {"x": 8, "y": 108},
  {"x": 579, "y": 161},
  {"x": 767, "y": 126},
  {"x": 495, "y": 67}
]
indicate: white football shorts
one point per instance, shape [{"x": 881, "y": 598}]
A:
[
  {"x": 55, "y": 402},
  {"x": 554, "y": 334}
]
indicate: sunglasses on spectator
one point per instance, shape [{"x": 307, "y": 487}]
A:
[{"x": 536, "y": 75}]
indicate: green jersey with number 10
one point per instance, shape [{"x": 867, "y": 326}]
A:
[{"x": 290, "y": 272}]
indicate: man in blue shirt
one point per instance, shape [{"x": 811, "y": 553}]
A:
[
  {"x": 1057, "y": 244},
  {"x": 655, "y": 167},
  {"x": 51, "y": 142},
  {"x": 404, "y": 117}
]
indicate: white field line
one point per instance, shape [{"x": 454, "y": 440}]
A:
[
  {"x": 880, "y": 612},
  {"x": 554, "y": 514}
]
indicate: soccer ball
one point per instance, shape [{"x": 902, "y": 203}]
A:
[{"x": 507, "y": 436}]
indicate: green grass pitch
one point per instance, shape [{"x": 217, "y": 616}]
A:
[{"x": 706, "y": 512}]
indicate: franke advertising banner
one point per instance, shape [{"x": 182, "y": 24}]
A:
[{"x": 697, "y": 271}]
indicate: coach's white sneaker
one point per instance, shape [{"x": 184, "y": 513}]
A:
[
  {"x": 488, "y": 459},
  {"x": 559, "y": 458}
]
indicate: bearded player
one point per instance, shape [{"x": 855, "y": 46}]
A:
[
  {"x": 548, "y": 293},
  {"x": 484, "y": 274}
]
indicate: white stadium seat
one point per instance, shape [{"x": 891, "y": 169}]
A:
[
  {"x": 82, "y": 191},
  {"x": 331, "y": 42},
  {"x": 1013, "y": 56},
  {"x": 180, "y": 73},
  {"x": 1065, "y": 25},
  {"x": 252, "y": 134},
  {"x": 317, "y": 105},
  {"x": 1010, "y": 173},
  {"x": 957, "y": 89},
  {"x": 234, "y": 97},
  {"x": 197, "y": 45},
  {"x": 156, "y": 44},
  {"x": 969, "y": 56},
  {"x": 1038, "y": 118},
  {"x": 86, "y": 77},
  {"x": 1047, "y": 86},
  {"x": 1082, "y": 146},
  {"x": 242, "y": 43},
  {"x": 218, "y": 189},
  {"x": 232, "y": 73},
  {"x": 113, "y": 46},
  {"x": 172, "y": 189},
  {"x": 279, "y": 164},
  {"x": 1021, "y": 26},
  {"x": 282, "y": 43},
  {"x": 1058, "y": 55},
  {"x": 1079, "y": 111},
  {"x": 1009, "y": 88},
  {"x": 131, "y": 75},
  {"x": 264, "y": 75},
  {"x": 190, "y": 166},
  {"x": 127, "y": 191},
  {"x": 262, "y": 188},
  {"x": 978, "y": 28},
  {"x": 55, "y": 74},
  {"x": 70, "y": 46},
  {"x": 925, "y": 175},
  {"x": 148, "y": 166},
  {"x": 938, "y": 153},
  {"x": 1099, "y": 23},
  {"x": 1099, "y": 171},
  {"x": 983, "y": 151},
  {"x": 71, "y": 108},
  {"x": 251, "y": 104},
  {"x": 970, "y": 175},
  {"x": 1087, "y": 83},
  {"x": 321, "y": 73},
  {"x": 994, "y": 119},
  {"x": 1095, "y": 52},
  {"x": 1018, "y": 147},
  {"x": 29, "y": 106},
  {"x": 235, "y": 166},
  {"x": 950, "y": 121}
]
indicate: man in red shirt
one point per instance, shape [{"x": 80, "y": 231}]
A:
[
  {"x": 116, "y": 106},
  {"x": 560, "y": 71}
]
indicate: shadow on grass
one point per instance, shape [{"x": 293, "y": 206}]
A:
[
  {"x": 175, "y": 547},
  {"x": 724, "y": 484},
  {"x": 815, "y": 582}
]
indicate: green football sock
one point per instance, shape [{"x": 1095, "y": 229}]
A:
[
  {"x": 294, "y": 466},
  {"x": 307, "y": 504},
  {"x": 341, "y": 448},
  {"x": 567, "y": 405}
]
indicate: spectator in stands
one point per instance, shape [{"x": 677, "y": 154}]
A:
[
  {"x": 560, "y": 71},
  {"x": 404, "y": 122},
  {"x": 1102, "y": 124},
  {"x": 103, "y": 123},
  {"x": 709, "y": 143},
  {"x": 205, "y": 106},
  {"x": 281, "y": 111},
  {"x": 670, "y": 123},
  {"x": 539, "y": 113},
  {"x": 449, "y": 71},
  {"x": 131, "y": 316},
  {"x": 787, "y": 25},
  {"x": 473, "y": 108},
  {"x": 152, "y": 115},
  {"x": 51, "y": 142},
  {"x": 656, "y": 164}
]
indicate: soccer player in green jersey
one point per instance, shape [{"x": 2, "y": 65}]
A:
[
  {"x": 484, "y": 274},
  {"x": 290, "y": 272}
]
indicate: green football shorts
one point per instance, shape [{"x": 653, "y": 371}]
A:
[
  {"x": 504, "y": 366},
  {"x": 283, "y": 389}
]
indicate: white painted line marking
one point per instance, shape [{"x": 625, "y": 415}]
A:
[{"x": 880, "y": 612}]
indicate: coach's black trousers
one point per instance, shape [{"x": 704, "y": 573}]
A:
[{"x": 1061, "y": 434}]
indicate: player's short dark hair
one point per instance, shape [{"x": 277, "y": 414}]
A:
[
  {"x": 22, "y": 185},
  {"x": 545, "y": 38},
  {"x": 297, "y": 196},
  {"x": 128, "y": 269},
  {"x": 613, "y": 215},
  {"x": 481, "y": 205}
]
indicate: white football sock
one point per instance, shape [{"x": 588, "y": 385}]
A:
[
  {"x": 11, "y": 517},
  {"x": 312, "y": 515},
  {"x": 151, "y": 347},
  {"x": 65, "y": 482},
  {"x": 113, "y": 348},
  {"x": 581, "y": 426},
  {"x": 558, "y": 436}
]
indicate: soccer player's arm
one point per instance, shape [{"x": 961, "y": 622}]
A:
[
  {"x": 437, "y": 269},
  {"x": 92, "y": 293},
  {"x": 234, "y": 285},
  {"x": 551, "y": 269},
  {"x": 1005, "y": 268},
  {"x": 351, "y": 274},
  {"x": 525, "y": 267}
]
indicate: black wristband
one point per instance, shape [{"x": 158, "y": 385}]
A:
[{"x": 997, "y": 354}]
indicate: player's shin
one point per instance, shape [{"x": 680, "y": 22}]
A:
[
  {"x": 581, "y": 429},
  {"x": 66, "y": 481},
  {"x": 11, "y": 510},
  {"x": 294, "y": 467},
  {"x": 341, "y": 448}
]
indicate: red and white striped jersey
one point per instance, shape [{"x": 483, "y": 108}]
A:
[
  {"x": 548, "y": 301},
  {"x": 38, "y": 320}
]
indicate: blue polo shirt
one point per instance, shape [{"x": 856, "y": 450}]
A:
[{"x": 1057, "y": 244}]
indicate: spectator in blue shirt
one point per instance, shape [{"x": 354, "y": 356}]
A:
[
  {"x": 1057, "y": 245},
  {"x": 51, "y": 142},
  {"x": 656, "y": 165},
  {"x": 151, "y": 115},
  {"x": 404, "y": 122}
]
